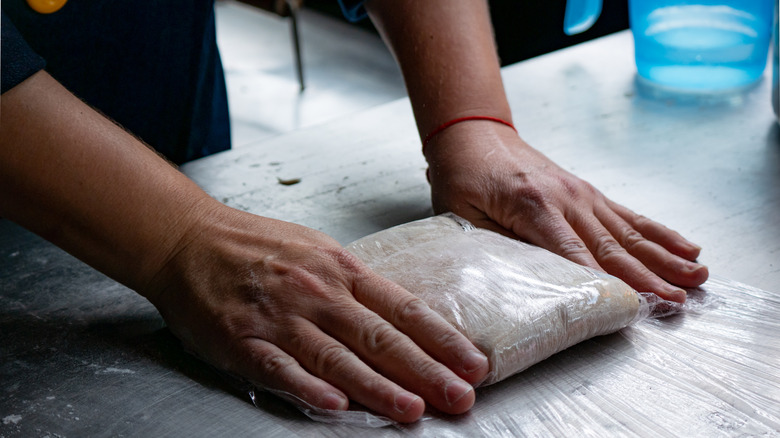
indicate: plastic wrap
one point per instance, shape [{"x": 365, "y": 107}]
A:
[
  {"x": 516, "y": 302},
  {"x": 708, "y": 373}
]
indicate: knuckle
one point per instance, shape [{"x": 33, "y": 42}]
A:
[
  {"x": 302, "y": 279},
  {"x": 632, "y": 239},
  {"x": 273, "y": 265},
  {"x": 380, "y": 338},
  {"x": 345, "y": 259},
  {"x": 234, "y": 327},
  {"x": 330, "y": 359},
  {"x": 576, "y": 188},
  {"x": 331, "y": 267},
  {"x": 572, "y": 246},
  {"x": 449, "y": 339},
  {"x": 275, "y": 364},
  {"x": 295, "y": 339},
  {"x": 337, "y": 258},
  {"x": 532, "y": 197},
  {"x": 606, "y": 248},
  {"x": 413, "y": 310},
  {"x": 286, "y": 271}
]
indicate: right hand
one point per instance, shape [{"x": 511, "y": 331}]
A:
[
  {"x": 484, "y": 172},
  {"x": 289, "y": 309}
]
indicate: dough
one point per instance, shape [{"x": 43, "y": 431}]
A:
[{"x": 517, "y": 303}]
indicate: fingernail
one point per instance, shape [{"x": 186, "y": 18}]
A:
[
  {"x": 693, "y": 266},
  {"x": 474, "y": 361},
  {"x": 695, "y": 272},
  {"x": 455, "y": 391},
  {"x": 404, "y": 401},
  {"x": 676, "y": 293},
  {"x": 334, "y": 402}
]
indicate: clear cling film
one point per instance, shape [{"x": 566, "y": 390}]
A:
[
  {"x": 709, "y": 367},
  {"x": 516, "y": 302}
]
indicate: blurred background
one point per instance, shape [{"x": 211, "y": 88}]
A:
[{"x": 346, "y": 67}]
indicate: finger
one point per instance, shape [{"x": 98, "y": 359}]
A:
[
  {"x": 395, "y": 356},
  {"x": 670, "y": 267},
  {"x": 425, "y": 327},
  {"x": 332, "y": 361},
  {"x": 267, "y": 366},
  {"x": 481, "y": 220},
  {"x": 618, "y": 262},
  {"x": 671, "y": 240},
  {"x": 555, "y": 234}
]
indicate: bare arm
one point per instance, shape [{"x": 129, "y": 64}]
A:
[
  {"x": 282, "y": 305},
  {"x": 484, "y": 172},
  {"x": 447, "y": 56},
  {"x": 75, "y": 178}
]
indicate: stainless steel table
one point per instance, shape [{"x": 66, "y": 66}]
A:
[{"x": 84, "y": 356}]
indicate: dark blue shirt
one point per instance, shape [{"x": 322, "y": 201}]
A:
[{"x": 150, "y": 65}]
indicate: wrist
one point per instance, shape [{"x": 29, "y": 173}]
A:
[
  {"x": 191, "y": 223},
  {"x": 436, "y": 131},
  {"x": 470, "y": 138}
]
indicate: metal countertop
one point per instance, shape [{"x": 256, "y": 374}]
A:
[{"x": 84, "y": 356}]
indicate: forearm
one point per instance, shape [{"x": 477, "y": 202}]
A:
[
  {"x": 484, "y": 172},
  {"x": 72, "y": 176},
  {"x": 447, "y": 55},
  {"x": 283, "y": 305}
]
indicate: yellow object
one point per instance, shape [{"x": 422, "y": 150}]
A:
[{"x": 46, "y": 6}]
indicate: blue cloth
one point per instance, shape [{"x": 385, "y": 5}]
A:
[
  {"x": 19, "y": 62},
  {"x": 150, "y": 65},
  {"x": 353, "y": 9}
]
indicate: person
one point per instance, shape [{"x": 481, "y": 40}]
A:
[{"x": 277, "y": 303}]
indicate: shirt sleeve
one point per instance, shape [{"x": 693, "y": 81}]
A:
[
  {"x": 353, "y": 9},
  {"x": 17, "y": 60}
]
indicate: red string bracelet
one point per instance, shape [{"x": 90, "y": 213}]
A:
[{"x": 446, "y": 125}]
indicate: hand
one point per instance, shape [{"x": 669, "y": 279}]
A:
[
  {"x": 484, "y": 172},
  {"x": 281, "y": 305},
  {"x": 291, "y": 310}
]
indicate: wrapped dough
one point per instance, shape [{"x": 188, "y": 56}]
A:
[{"x": 517, "y": 303}]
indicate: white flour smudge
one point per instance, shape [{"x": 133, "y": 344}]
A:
[
  {"x": 112, "y": 370},
  {"x": 12, "y": 419}
]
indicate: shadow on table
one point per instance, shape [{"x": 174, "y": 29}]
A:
[
  {"x": 165, "y": 350},
  {"x": 118, "y": 373}
]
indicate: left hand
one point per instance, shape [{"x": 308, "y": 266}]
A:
[{"x": 485, "y": 173}]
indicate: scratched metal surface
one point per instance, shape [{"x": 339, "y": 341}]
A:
[{"x": 83, "y": 356}]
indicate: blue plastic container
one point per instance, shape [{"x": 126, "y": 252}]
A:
[
  {"x": 698, "y": 46},
  {"x": 706, "y": 46}
]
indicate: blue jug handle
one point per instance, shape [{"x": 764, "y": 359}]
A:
[{"x": 580, "y": 15}]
